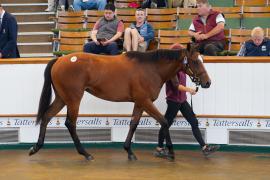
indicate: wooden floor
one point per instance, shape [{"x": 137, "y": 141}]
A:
[{"x": 113, "y": 164}]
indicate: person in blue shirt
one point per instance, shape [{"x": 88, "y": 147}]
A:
[
  {"x": 138, "y": 36},
  {"x": 258, "y": 45}
]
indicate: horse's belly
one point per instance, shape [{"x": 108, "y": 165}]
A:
[{"x": 113, "y": 94}]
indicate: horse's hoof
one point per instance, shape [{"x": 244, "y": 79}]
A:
[
  {"x": 89, "y": 158},
  {"x": 32, "y": 151},
  {"x": 132, "y": 157}
]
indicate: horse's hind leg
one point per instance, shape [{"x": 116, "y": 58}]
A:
[
  {"x": 149, "y": 107},
  {"x": 136, "y": 115},
  {"x": 54, "y": 108},
  {"x": 72, "y": 114}
]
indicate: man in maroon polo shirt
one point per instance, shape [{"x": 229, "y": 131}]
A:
[{"x": 208, "y": 29}]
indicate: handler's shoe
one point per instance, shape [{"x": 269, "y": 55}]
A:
[
  {"x": 210, "y": 149},
  {"x": 160, "y": 152}
]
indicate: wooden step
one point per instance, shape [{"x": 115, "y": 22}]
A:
[
  {"x": 27, "y": 49},
  {"x": 35, "y": 27},
  {"x": 37, "y": 17},
  {"x": 25, "y": 8},
  {"x": 35, "y": 38}
]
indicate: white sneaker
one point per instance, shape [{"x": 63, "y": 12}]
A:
[
  {"x": 153, "y": 5},
  {"x": 62, "y": 7},
  {"x": 71, "y": 8},
  {"x": 49, "y": 9}
]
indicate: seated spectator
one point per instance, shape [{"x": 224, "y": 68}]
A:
[
  {"x": 89, "y": 4},
  {"x": 105, "y": 33},
  {"x": 258, "y": 45},
  {"x": 8, "y": 35},
  {"x": 138, "y": 35},
  {"x": 63, "y": 4},
  {"x": 207, "y": 28}
]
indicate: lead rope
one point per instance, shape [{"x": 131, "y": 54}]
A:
[{"x": 191, "y": 103}]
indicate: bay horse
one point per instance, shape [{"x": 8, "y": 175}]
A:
[{"x": 130, "y": 77}]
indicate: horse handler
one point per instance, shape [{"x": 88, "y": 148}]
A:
[{"x": 177, "y": 100}]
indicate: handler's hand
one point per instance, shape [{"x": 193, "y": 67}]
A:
[{"x": 192, "y": 91}]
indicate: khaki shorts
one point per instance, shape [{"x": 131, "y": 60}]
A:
[{"x": 142, "y": 46}]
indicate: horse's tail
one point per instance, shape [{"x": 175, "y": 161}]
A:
[{"x": 46, "y": 94}]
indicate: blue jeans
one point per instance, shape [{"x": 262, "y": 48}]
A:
[
  {"x": 90, "y": 4},
  {"x": 111, "y": 48}
]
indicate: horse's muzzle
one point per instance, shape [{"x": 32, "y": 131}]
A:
[{"x": 206, "y": 85}]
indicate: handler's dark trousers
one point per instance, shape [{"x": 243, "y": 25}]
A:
[{"x": 187, "y": 112}]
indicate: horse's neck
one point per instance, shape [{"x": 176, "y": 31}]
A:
[{"x": 168, "y": 70}]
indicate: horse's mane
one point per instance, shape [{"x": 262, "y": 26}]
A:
[{"x": 155, "y": 55}]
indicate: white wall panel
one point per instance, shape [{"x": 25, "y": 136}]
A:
[{"x": 237, "y": 89}]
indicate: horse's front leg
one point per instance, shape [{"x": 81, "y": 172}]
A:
[
  {"x": 150, "y": 108},
  {"x": 136, "y": 115}
]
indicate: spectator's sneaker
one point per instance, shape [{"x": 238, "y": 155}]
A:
[
  {"x": 71, "y": 8},
  {"x": 153, "y": 5},
  {"x": 49, "y": 9},
  {"x": 161, "y": 153},
  {"x": 210, "y": 149},
  {"x": 61, "y": 8}
]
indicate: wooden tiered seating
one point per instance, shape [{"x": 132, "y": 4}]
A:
[
  {"x": 126, "y": 15},
  {"x": 70, "y": 20},
  {"x": 256, "y": 16},
  {"x": 92, "y": 16},
  {"x": 162, "y": 18},
  {"x": 237, "y": 38},
  {"x": 71, "y": 41},
  {"x": 185, "y": 16},
  {"x": 168, "y": 37}
]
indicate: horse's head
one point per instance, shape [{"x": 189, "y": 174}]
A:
[{"x": 193, "y": 66}]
